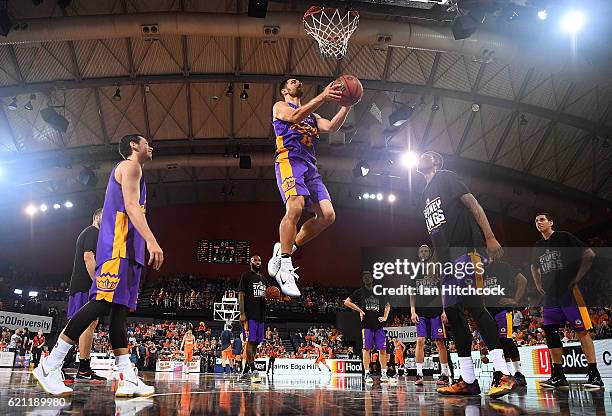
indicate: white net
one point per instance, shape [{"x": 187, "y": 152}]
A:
[{"x": 331, "y": 29}]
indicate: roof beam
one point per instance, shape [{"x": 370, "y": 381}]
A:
[
  {"x": 15, "y": 62},
  {"x": 73, "y": 58},
  {"x": 128, "y": 47},
  {"x": 377, "y": 85},
  {"x": 468, "y": 125},
  {"x": 101, "y": 117},
  {"x": 549, "y": 128},
  {"x": 513, "y": 116},
  {"x": 4, "y": 120},
  {"x": 145, "y": 109}
]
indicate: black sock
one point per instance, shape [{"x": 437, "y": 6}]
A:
[
  {"x": 593, "y": 367},
  {"x": 247, "y": 368},
  {"x": 285, "y": 255},
  {"x": 84, "y": 365},
  {"x": 296, "y": 246},
  {"x": 558, "y": 370}
]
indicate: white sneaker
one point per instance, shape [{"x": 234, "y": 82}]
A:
[
  {"x": 384, "y": 378},
  {"x": 369, "y": 379},
  {"x": 274, "y": 264},
  {"x": 286, "y": 280},
  {"x": 50, "y": 379},
  {"x": 128, "y": 388},
  {"x": 255, "y": 378},
  {"x": 131, "y": 407},
  {"x": 392, "y": 379}
]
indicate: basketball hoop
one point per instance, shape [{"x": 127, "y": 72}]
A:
[{"x": 331, "y": 29}]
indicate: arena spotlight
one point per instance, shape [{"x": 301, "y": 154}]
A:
[
  {"x": 410, "y": 160},
  {"x": 28, "y": 106},
  {"x": 366, "y": 195},
  {"x": 117, "y": 96},
  {"x": 56, "y": 206},
  {"x": 230, "y": 90},
  {"x": 43, "y": 207},
  {"x": 573, "y": 21},
  {"x": 68, "y": 204},
  {"x": 31, "y": 210},
  {"x": 392, "y": 198},
  {"x": 401, "y": 115},
  {"x": 244, "y": 94},
  {"x": 258, "y": 8},
  {"x": 32, "y": 293},
  {"x": 18, "y": 291},
  {"x": 361, "y": 169},
  {"x": 13, "y": 104},
  {"x": 523, "y": 120},
  {"x": 542, "y": 14},
  {"x": 372, "y": 196},
  {"x": 379, "y": 196}
]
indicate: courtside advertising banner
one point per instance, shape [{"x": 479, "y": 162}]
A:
[
  {"x": 34, "y": 323},
  {"x": 403, "y": 333},
  {"x": 307, "y": 367}
]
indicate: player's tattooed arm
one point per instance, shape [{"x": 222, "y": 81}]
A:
[{"x": 493, "y": 247}]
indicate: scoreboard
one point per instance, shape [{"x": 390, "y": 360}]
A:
[{"x": 223, "y": 251}]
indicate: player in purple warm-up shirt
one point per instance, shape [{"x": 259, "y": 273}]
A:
[
  {"x": 297, "y": 129},
  {"x": 119, "y": 262}
]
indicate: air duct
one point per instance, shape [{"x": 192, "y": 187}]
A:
[{"x": 405, "y": 35}]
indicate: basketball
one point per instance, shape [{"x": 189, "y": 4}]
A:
[
  {"x": 273, "y": 293},
  {"x": 352, "y": 90}
]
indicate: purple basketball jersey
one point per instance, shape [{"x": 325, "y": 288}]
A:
[
  {"x": 299, "y": 140},
  {"x": 118, "y": 238}
]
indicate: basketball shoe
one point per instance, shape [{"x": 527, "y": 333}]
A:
[
  {"x": 50, "y": 379},
  {"x": 286, "y": 279}
]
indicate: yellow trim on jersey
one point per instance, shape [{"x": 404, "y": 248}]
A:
[
  {"x": 280, "y": 145},
  {"x": 584, "y": 312},
  {"x": 476, "y": 258},
  {"x": 508, "y": 325},
  {"x": 108, "y": 280},
  {"x": 120, "y": 235},
  {"x": 286, "y": 171}
]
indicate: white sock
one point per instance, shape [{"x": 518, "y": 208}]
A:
[
  {"x": 286, "y": 264},
  {"x": 510, "y": 367},
  {"x": 499, "y": 362},
  {"x": 58, "y": 353},
  {"x": 517, "y": 366},
  {"x": 466, "y": 369},
  {"x": 125, "y": 367},
  {"x": 294, "y": 249},
  {"x": 419, "y": 367},
  {"x": 383, "y": 372},
  {"x": 472, "y": 410},
  {"x": 445, "y": 369}
]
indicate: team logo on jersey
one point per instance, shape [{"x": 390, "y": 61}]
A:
[
  {"x": 288, "y": 183},
  {"x": 439, "y": 330},
  {"x": 434, "y": 214},
  {"x": 502, "y": 329},
  {"x": 106, "y": 282},
  {"x": 578, "y": 322},
  {"x": 259, "y": 290}
]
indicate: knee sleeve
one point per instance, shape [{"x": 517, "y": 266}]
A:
[
  {"x": 118, "y": 329},
  {"x": 463, "y": 338},
  {"x": 552, "y": 337},
  {"x": 510, "y": 349},
  {"x": 486, "y": 326},
  {"x": 85, "y": 316}
]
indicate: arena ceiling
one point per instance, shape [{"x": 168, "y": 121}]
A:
[{"x": 539, "y": 138}]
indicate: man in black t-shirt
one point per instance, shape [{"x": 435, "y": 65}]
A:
[
  {"x": 252, "y": 298},
  {"x": 426, "y": 311},
  {"x": 373, "y": 311},
  {"x": 80, "y": 282},
  {"x": 456, "y": 223},
  {"x": 511, "y": 280},
  {"x": 559, "y": 262}
]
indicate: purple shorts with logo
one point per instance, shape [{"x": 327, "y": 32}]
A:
[
  {"x": 256, "y": 331},
  {"x": 571, "y": 308},
  {"x": 76, "y": 302},
  {"x": 430, "y": 328},
  {"x": 503, "y": 320},
  {"x": 374, "y": 339},
  {"x": 468, "y": 270},
  {"x": 117, "y": 281},
  {"x": 299, "y": 176}
]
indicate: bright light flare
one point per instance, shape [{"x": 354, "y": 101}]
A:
[
  {"x": 68, "y": 204},
  {"x": 392, "y": 198},
  {"x": 31, "y": 210},
  {"x": 573, "y": 21},
  {"x": 410, "y": 160}
]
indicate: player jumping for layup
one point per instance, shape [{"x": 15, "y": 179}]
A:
[{"x": 297, "y": 129}]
